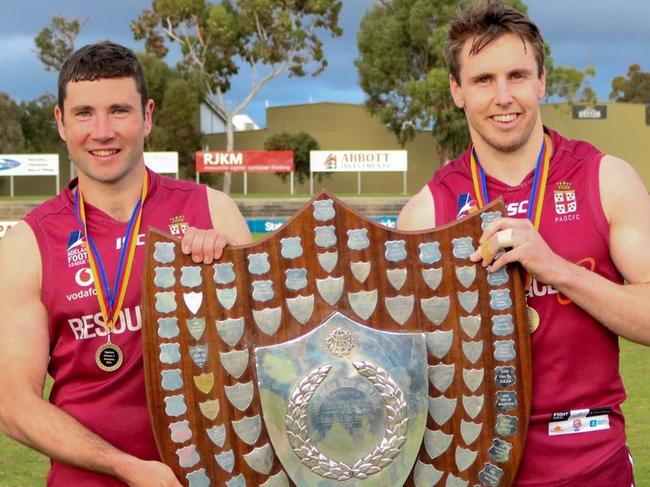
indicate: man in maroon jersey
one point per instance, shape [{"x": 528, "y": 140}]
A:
[
  {"x": 577, "y": 222},
  {"x": 71, "y": 280}
]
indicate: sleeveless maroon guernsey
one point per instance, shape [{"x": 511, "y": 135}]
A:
[
  {"x": 574, "y": 357},
  {"x": 111, "y": 404}
]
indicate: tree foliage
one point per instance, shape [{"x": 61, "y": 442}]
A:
[
  {"x": 38, "y": 126},
  {"x": 271, "y": 37},
  {"x": 12, "y": 139},
  {"x": 403, "y": 72},
  {"x": 633, "y": 88},
  {"x": 301, "y": 144},
  {"x": 56, "y": 42}
]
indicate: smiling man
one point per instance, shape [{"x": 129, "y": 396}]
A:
[
  {"x": 71, "y": 275},
  {"x": 571, "y": 227}
]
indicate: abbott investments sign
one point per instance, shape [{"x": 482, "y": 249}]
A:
[{"x": 357, "y": 161}]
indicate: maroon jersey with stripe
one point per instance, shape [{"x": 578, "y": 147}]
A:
[
  {"x": 111, "y": 404},
  {"x": 574, "y": 357}
]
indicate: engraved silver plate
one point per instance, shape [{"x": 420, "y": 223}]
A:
[
  {"x": 231, "y": 330},
  {"x": 168, "y": 327},
  {"x": 291, "y": 247},
  {"x": 473, "y": 405},
  {"x": 278, "y": 480},
  {"x": 165, "y": 302},
  {"x": 396, "y": 277},
  {"x": 502, "y": 325},
  {"x": 473, "y": 350},
  {"x": 360, "y": 270},
  {"x": 193, "y": 301},
  {"x": 235, "y": 362},
  {"x": 248, "y": 429},
  {"x": 425, "y": 475},
  {"x": 470, "y": 324},
  {"x": 217, "y": 435},
  {"x": 259, "y": 263},
  {"x": 430, "y": 252},
  {"x": 441, "y": 376},
  {"x": 453, "y": 481},
  {"x": 506, "y": 401},
  {"x": 164, "y": 252},
  {"x": 199, "y": 355},
  {"x": 164, "y": 277},
  {"x": 301, "y": 307},
  {"x": 170, "y": 353},
  {"x": 491, "y": 475},
  {"x": 198, "y": 478},
  {"x": 224, "y": 273},
  {"x": 441, "y": 408},
  {"x": 238, "y": 481},
  {"x": 191, "y": 276},
  {"x": 462, "y": 247},
  {"x": 432, "y": 277},
  {"x": 504, "y": 350},
  {"x": 260, "y": 459},
  {"x": 330, "y": 289},
  {"x": 226, "y": 460},
  {"x": 464, "y": 458},
  {"x": 468, "y": 300},
  {"x": 395, "y": 250},
  {"x": 196, "y": 327},
  {"x": 180, "y": 432},
  {"x": 204, "y": 382},
  {"x": 439, "y": 342},
  {"x": 435, "y": 309},
  {"x": 488, "y": 217},
  {"x": 175, "y": 405},
  {"x": 263, "y": 290},
  {"x": 188, "y": 456},
  {"x": 470, "y": 431},
  {"x": 323, "y": 210},
  {"x": 325, "y": 236},
  {"x": 171, "y": 379},
  {"x": 328, "y": 260},
  {"x": 498, "y": 278},
  {"x": 500, "y": 299},
  {"x": 210, "y": 409},
  {"x": 268, "y": 319},
  {"x": 506, "y": 425},
  {"x": 358, "y": 239},
  {"x": 227, "y": 297},
  {"x": 363, "y": 303},
  {"x": 436, "y": 442},
  {"x": 400, "y": 308},
  {"x": 240, "y": 395},
  {"x": 466, "y": 275},
  {"x": 500, "y": 450},
  {"x": 505, "y": 376},
  {"x": 473, "y": 378}
]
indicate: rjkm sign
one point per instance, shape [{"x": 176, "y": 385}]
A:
[{"x": 338, "y": 352}]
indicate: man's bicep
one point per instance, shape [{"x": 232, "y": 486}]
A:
[{"x": 418, "y": 213}]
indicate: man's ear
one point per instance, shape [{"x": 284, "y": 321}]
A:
[
  {"x": 542, "y": 85},
  {"x": 456, "y": 92},
  {"x": 148, "y": 116},
  {"x": 58, "y": 116}
]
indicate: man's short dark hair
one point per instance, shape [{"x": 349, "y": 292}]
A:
[
  {"x": 100, "y": 61},
  {"x": 484, "y": 22}
]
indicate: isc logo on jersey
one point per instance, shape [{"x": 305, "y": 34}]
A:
[{"x": 77, "y": 252}]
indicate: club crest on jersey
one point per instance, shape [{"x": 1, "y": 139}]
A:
[
  {"x": 178, "y": 225},
  {"x": 466, "y": 205},
  {"x": 565, "y": 198},
  {"x": 76, "y": 249}
]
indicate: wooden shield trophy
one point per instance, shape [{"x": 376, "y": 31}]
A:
[{"x": 338, "y": 352}]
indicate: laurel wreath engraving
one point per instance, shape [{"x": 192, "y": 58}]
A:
[{"x": 388, "y": 447}]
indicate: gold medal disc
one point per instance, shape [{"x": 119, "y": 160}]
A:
[
  {"x": 533, "y": 319},
  {"x": 109, "y": 357}
]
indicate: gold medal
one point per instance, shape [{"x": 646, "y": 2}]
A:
[
  {"x": 533, "y": 319},
  {"x": 109, "y": 357}
]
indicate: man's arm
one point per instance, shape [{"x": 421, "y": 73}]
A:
[
  {"x": 229, "y": 228},
  {"x": 24, "y": 355},
  {"x": 418, "y": 213},
  {"x": 623, "y": 308}
]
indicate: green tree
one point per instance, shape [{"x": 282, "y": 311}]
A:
[
  {"x": 11, "y": 132},
  {"x": 272, "y": 37},
  {"x": 38, "y": 126},
  {"x": 632, "y": 88},
  {"x": 56, "y": 42},
  {"x": 403, "y": 72},
  {"x": 300, "y": 143}
]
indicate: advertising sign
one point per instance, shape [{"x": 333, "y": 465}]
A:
[
  {"x": 358, "y": 161},
  {"x": 244, "y": 161},
  {"x": 162, "y": 162},
  {"x": 29, "y": 164}
]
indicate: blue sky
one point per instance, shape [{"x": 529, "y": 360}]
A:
[{"x": 607, "y": 34}]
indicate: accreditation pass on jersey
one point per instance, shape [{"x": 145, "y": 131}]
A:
[{"x": 579, "y": 421}]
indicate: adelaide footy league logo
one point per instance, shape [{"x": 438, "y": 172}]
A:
[
  {"x": 466, "y": 205},
  {"x": 565, "y": 198},
  {"x": 76, "y": 249}
]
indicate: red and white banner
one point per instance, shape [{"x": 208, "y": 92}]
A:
[{"x": 244, "y": 161}]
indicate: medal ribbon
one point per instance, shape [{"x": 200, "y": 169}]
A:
[
  {"x": 110, "y": 302},
  {"x": 537, "y": 192}
]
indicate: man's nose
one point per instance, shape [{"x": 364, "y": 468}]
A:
[
  {"x": 504, "y": 93},
  {"x": 103, "y": 128}
]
